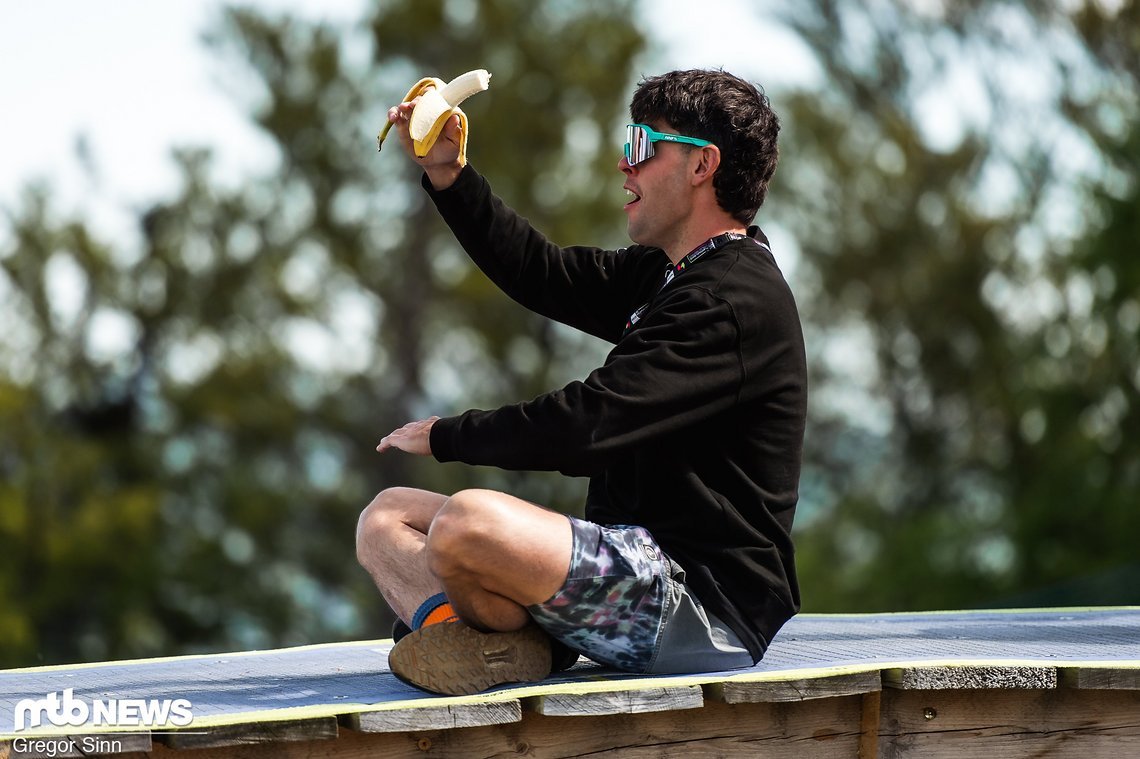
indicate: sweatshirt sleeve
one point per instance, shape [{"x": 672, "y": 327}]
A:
[
  {"x": 585, "y": 288},
  {"x": 680, "y": 365}
]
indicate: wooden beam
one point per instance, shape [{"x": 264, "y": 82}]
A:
[
  {"x": 434, "y": 717},
  {"x": 1004, "y": 724},
  {"x": 816, "y": 729},
  {"x": 871, "y": 717},
  {"x": 617, "y": 702},
  {"x": 733, "y": 692},
  {"x": 971, "y": 678},
  {"x": 286, "y": 731},
  {"x": 1100, "y": 678}
]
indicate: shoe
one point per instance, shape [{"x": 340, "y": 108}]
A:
[
  {"x": 399, "y": 630},
  {"x": 456, "y": 660}
]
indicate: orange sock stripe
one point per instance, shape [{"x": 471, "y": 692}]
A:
[{"x": 442, "y": 613}]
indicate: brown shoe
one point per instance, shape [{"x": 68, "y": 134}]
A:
[{"x": 457, "y": 660}]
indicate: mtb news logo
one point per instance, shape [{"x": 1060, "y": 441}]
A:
[{"x": 65, "y": 710}]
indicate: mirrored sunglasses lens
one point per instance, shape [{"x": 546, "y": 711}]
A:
[{"x": 639, "y": 146}]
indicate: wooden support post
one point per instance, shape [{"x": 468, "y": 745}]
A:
[{"x": 869, "y": 725}]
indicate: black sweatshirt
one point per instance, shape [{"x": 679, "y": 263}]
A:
[{"x": 692, "y": 428}]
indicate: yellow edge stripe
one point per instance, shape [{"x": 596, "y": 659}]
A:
[{"x": 598, "y": 684}]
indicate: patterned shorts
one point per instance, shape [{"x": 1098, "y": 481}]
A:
[{"x": 624, "y": 599}]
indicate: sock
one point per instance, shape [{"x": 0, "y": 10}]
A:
[{"x": 434, "y": 610}]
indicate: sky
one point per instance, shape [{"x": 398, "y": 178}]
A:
[
  {"x": 132, "y": 80},
  {"x": 96, "y": 95}
]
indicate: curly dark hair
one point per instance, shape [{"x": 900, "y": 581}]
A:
[{"x": 735, "y": 115}]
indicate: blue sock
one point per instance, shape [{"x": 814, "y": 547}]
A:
[{"x": 435, "y": 609}]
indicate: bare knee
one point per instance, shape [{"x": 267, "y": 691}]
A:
[
  {"x": 378, "y": 519},
  {"x": 459, "y": 532}
]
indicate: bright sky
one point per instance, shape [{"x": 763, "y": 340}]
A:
[{"x": 133, "y": 80}]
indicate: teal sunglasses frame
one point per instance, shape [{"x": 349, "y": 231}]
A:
[{"x": 650, "y": 136}]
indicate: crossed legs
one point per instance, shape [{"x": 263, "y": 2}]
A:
[{"x": 493, "y": 554}]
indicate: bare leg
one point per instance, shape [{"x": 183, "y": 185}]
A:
[
  {"x": 390, "y": 544},
  {"x": 494, "y": 554}
]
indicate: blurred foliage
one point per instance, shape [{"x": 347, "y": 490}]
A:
[
  {"x": 965, "y": 186},
  {"x": 187, "y": 428}
]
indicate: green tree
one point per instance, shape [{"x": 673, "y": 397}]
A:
[
  {"x": 964, "y": 185},
  {"x": 187, "y": 426}
]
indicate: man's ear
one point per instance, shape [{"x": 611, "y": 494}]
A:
[{"x": 706, "y": 160}]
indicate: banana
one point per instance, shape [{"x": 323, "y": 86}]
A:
[{"x": 438, "y": 101}]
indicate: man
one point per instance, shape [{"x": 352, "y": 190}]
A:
[{"x": 691, "y": 431}]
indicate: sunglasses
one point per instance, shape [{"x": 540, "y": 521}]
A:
[{"x": 640, "y": 138}]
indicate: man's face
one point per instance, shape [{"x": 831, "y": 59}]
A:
[{"x": 661, "y": 193}]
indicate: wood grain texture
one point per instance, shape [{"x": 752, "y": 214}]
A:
[
  {"x": 816, "y": 729},
  {"x": 434, "y": 717},
  {"x": 286, "y": 731},
  {"x": 870, "y": 719},
  {"x": 617, "y": 702},
  {"x": 794, "y": 690},
  {"x": 1101, "y": 679},
  {"x": 1003, "y": 724}
]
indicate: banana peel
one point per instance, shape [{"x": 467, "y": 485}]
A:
[{"x": 440, "y": 100}]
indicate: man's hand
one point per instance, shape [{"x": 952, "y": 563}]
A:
[
  {"x": 441, "y": 164},
  {"x": 413, "y": 437}
]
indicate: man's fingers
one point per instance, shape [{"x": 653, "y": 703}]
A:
[
  {"x": 451, "y": 129},
  {"x": 406, "y": 437}
]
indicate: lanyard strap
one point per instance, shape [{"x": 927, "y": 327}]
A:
[
  {"x": 709, "y": 245},
  {"x": 674, "y": 269}
]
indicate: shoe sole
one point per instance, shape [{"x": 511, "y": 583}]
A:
[{"x": 456, "y": 660}]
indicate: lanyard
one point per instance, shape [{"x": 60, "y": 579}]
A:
[{"x": 673, "y": 270}]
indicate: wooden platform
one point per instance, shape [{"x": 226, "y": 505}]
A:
[{"x": 1049, "y": 695}]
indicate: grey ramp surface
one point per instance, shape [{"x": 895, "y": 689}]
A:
[{"x": 343, "y": 678}]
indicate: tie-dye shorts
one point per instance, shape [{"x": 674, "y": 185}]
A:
[{"x": 625, "y": 604}]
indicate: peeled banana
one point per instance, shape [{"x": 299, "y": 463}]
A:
[{"x": 438, "y": 101}]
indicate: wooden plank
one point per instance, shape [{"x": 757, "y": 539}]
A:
[
  {"x": 102, "y": 744},
  {"x": 732, "y": 692},
  {"x": 971, "y": 678},
  {"x": 617, "y": 702},
  {"x": 285, "y": 731},
  {"x": 825, "y": 728},
  {"x": 1009, "y": 724},
  {"x": 434, "y": 717},
  {"x": 1100, "y": 679}
]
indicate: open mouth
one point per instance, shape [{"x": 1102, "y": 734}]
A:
[{"x": 633, "y": 197}]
